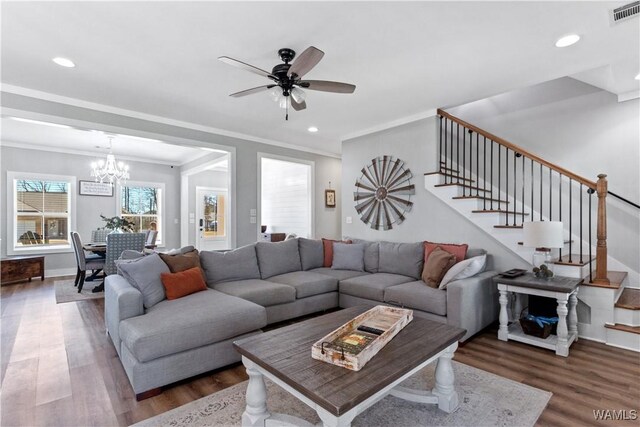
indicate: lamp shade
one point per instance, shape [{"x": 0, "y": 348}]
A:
[{"x": 543, "y": 234}]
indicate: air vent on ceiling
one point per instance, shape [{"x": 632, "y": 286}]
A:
[{"x": 625, "y": 12}]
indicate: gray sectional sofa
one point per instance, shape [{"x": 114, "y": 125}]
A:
[{"x": 265, "y": 283}]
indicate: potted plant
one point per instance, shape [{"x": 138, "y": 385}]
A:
[{"x": 118, "y": 224}]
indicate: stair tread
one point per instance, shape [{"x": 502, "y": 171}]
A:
[
  {"x": 575, "y": 260},
  {"x": 625, "y": 328},
  {"x": 479, "y": 197},
  {"x": 566, "y": 242},
  {"x": 461, "y": 185},
  {"x": 615, "y": 280},
  {"x": 507, "y": 226},
  {"x": 497, "y": 211},
  {"x": 629, "y": 299}
]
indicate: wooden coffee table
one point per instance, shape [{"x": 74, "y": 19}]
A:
[{"x": 338, "y": 394}]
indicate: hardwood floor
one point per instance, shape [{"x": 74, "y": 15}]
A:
[{"x": 59, "y": 368}]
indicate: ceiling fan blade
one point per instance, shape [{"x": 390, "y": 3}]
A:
[
  {"x": 245, "y": 66},
  {"x": 327, "y": 86},
  {"x": 297, "y": 105},
  {"x": 251, "y": 91},
  {"x": 305, "y": 61}
]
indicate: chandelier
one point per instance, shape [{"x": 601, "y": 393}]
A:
[{"x": 110, "y": 170}]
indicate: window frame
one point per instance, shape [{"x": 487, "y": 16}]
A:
[
  {"x": 311, "y": 189},
  {"x": 161, "y": 205},
  {"x": 12, "y": 214}
]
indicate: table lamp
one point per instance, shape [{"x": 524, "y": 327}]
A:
[{"x": 543, "y": 236}]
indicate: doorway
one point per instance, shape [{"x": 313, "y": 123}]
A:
[{"x": 212, "y": 217}]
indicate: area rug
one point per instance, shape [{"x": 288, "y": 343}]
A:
[
  {"x": 485, "y": 400},
  {"x": 66, "y": 292}
]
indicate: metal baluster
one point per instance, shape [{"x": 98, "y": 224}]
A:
[
  {"x": 484, "y": 174},
  {"x": 515, "y": 191},
  {"x": 491, "y": 194},
  {"x": 550, "y": 194},
  {"x": 531, "y": 190},
  {"x": 499, "y": 175},
  {"x": 522, "y": 206},
  {"x": 441, "y": 151},
  {"x": 540, "y": 194},
  {"x": 590, "y": 191},
  {"x": 560, "y": 212},
  {"x": 450, "y": 171},
  {"x": 470, "y": 161},
  {"x": 464, "y": 161},
  {"x": 477, "y": 164},
  {"x": 506, "y": 187},
  {"x": 458, "y": 153},
  {"x": 581, "y": 261},
  {"x": 570, "y": 220}
]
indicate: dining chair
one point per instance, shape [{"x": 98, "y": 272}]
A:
[
  {"x": 119, "y": 242},
  {"x": 84, "y": 263},
  {"x": 99, "y": 235},
  {"x": 152, "y": 236}
]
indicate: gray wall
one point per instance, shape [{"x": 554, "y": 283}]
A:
[
  {"x": 327, "y": 220},
  {"x": 583, "y": 129},
  {"x": 430, "y": 219},
  {"x": 88, "y": 208}
]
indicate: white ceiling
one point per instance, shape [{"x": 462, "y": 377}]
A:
[
  {"x": 90, "y": 142},
  {"x": 160, "y": 58}
]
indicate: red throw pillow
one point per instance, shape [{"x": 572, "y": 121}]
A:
[
  {"x": 460, "y": 251},
  {"x": 183, "y": 283},
  {"x": 327, "y": 246}
]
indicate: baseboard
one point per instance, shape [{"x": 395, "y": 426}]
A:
[{"x": 59, "y": 272}]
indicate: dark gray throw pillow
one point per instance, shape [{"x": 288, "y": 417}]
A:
[
  {"x": 144, "y": 274},
  {"x": 278, "y": 257},
  {"x": 238, "y": 264},
  {"x": 348, "y": 256},
  {"x": 311, "y": 253},
  {"x": 402, "y": 258}
]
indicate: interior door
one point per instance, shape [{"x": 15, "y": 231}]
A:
[{"x": 212, "y": 220}]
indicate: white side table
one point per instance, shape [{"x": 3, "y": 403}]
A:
[{"x": 563, "y": 289}]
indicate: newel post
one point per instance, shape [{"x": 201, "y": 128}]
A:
[{"x": 601, "y": 248}]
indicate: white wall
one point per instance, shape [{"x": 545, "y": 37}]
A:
[
  {"x": 430, "y": 219},
  {"x": 88, "y": 208},
  {"x": 583, "y": 129}
]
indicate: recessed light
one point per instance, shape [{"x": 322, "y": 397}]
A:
[
  {"x": 567, "y": 40},
  {"x": 638, "y": 76},
  {"x": 64, "y": 62},
  {"x": 38, "y": 122},
  {"x": 312, "y": 129}
]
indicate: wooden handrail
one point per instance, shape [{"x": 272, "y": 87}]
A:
[{"x": 519, "y": 150}]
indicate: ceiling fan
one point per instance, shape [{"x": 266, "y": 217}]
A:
[{"x": 287, "y": 78}]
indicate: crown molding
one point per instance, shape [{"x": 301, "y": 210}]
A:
[
  {"x": 27, "y": 146},
  {"x": 46, "y": 96},
  {"x": 391, "y": 124}
]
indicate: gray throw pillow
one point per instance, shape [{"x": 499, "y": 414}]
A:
[
  {"x": 278, "y": 258},
  {"x": 348, "y": 256},
  {"x": 371, "y": 255},
  {"x": 144, "y": 275},
  {"x": 311, "y": 253},
  {"x": 402, "y": 258},
  {"x": 238, "y": 264}
]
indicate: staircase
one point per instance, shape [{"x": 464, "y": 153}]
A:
[{"x": 498, "y": 186}]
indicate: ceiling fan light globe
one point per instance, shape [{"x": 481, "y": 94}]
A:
[
  {"x": 283, "y": 102},
  {"x": 298, "y": 95},
  {"x": 275, "y": 94}
]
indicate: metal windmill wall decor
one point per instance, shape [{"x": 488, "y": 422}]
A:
[{"x": 383, "y": 193}]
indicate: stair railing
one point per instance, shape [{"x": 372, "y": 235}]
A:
[{"x": 526, "y": 178}]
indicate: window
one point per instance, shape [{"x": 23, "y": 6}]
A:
[
  {"x": 286, "y": 195},
  {"x": 41, "y": 212},
  {"x": 141, "y": 203}
]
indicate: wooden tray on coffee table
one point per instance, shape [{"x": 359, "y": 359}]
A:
[{"x": 353, "y": 344}]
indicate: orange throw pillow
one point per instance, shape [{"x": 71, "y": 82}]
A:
[
  {"x": 460, "y": 251},
  {"x": 183, "y": 283},
  {"x": 327, "y": 246}
]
